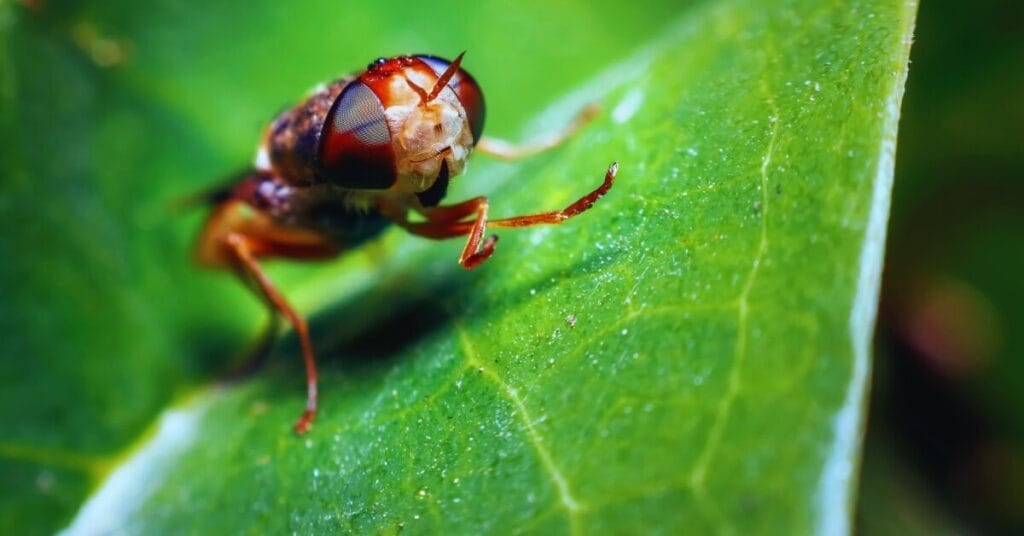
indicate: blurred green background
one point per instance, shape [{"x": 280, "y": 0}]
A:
[{"x": 945, "y": 441}]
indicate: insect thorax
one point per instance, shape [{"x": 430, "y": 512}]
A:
[{"x": 292, "y": 142}]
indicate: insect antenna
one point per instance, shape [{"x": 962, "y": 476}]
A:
[
  {"x": 442, "y": 81},
  {"x": 447, "y": 75}
]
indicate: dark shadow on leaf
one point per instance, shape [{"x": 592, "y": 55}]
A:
[
  {"x": 361, "y": 335},
  {"x": 372, "y": 327},
  {"x": 212, "y": 352},
  {"x": 381, "y": 332}
]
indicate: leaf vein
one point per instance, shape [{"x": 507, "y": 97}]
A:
[
  {"x": 567, "y": 501},
  {"x": 722, "y": 412}
]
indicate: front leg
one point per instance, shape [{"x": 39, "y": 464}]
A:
[{"x": 453, "y": 220}]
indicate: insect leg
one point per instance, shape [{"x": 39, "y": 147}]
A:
[
  {"x": 453, "y": 213},
  {"x": 447, "y": 222},
  {"x": 243, "y": 249},
  {"x": 505, "y": 150},
  {"x": 558, "y": 216}
]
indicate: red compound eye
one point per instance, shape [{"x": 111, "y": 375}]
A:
[
  {"x": 356, "y": 150},
  {"x": 466, "y": 89}
]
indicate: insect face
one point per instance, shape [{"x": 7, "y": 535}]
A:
[{"x": 394, "y": 126}]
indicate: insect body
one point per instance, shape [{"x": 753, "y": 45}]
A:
[{"x": 357, "y": 154}]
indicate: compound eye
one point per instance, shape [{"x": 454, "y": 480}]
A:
[
  {"x": 356, "y": 151},
  {"x": 466, "y": 89}
]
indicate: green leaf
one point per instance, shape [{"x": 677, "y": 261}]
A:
[{"x": 691, "y": 353}]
